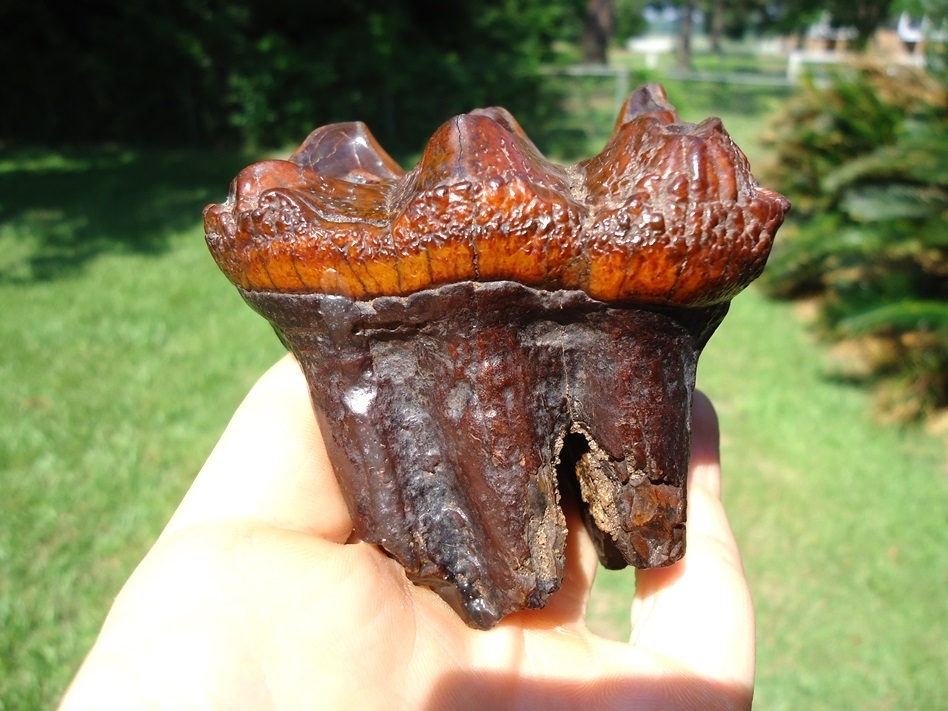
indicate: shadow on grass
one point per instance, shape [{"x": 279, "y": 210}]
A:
[{"x": 59, "y": 209}]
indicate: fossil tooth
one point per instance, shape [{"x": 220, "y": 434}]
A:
[{"x": 490, "y": 332}]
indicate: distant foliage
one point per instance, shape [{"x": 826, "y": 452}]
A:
[
  {"x": 865, "y": 163},
  {"x": 266, "y": 72}
]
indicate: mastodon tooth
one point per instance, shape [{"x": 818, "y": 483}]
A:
[{"x": 490, "y": 332}]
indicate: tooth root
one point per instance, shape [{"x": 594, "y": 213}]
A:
[
  {"x": 449, "y": 410},
  {"x": 632, "y": 386}
]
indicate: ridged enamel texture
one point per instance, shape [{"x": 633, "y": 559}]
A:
[
  {"x": 491, "y": 337},
  {"x": 668, "y": 213}
]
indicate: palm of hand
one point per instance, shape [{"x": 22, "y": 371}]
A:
[{"x": 254, "y": 599}]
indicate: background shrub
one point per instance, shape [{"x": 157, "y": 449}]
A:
[
  {"x": 266, "y": 72},
  {"x": 865, "y": 162}
]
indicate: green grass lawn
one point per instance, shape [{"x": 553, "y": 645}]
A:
[
  {"x": 122, "y": 361},
  {"x": 125, "y": 351}
]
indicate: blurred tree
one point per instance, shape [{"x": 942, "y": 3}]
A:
[
  {"x": 716, "y": 24},
  {"x": 686, "y": 33},
  {"x": 935, "y": 10},
  {"x": 734, "y": 18},
  {"x": 865, "y": 16},
  {"x": 598, "y": 31},
  {"x": 111, "y": 69},
  {"x": 629, "y": 20},
  {"x": 267, "y": 72},
  {"x": 794, "y": 16}
]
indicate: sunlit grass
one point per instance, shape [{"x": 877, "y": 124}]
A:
[{"x": 117, "y": 376}]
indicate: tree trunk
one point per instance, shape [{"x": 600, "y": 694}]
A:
[
  {"x": 717, "y": 26},
  {"x": 684, "y": 35},
  {"x": 597, "y": 33}
]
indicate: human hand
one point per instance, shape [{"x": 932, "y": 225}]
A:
[{"x": 253, "y": 598}]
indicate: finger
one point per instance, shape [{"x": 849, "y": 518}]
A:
[
  {"x": 270, "y": 465},
  {"x": 699, "y": 611}
]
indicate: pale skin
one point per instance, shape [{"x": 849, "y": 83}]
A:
[{"x": 254, "y": 597}]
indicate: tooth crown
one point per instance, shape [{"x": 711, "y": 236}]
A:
[{"x": 667, "y": 214}]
